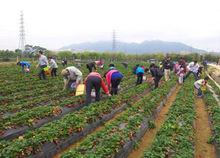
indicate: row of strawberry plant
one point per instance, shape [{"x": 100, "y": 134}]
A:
[
  {"x": 44, "y": 99},
  {"x": 176, "y": 136},
  {"x": 214, "y": 113},
  {"x": 33, "y": 116},
  {"x": 28, "y": 95},
  {"x": 47, "y": 99},
  {"x": 30, "y": 117},
  {"x": 215, "y": 88},
  {"x": 116, "y": 135},
  {"x": 28, "y": 87},
  {"x": 71, "y": 123},
  {"x": 56, "y": 101},
  {"x": 10, "y": 88}
]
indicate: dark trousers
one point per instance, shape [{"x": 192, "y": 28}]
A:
[
  {"x": 194, "y": 74},
  {"x": 114, "y": 86},
  {"x": 54, "y": 72},
  {"x": 139, "y": 78},
  {"x": 199, "y": 92},
  {"x": 22, "y": 69},
  {"x": 89, "y": 68},
  {"x": 41, "y": 73},
  {"x": 156, "y": 82},
  {"x": 92, "y": 82}
]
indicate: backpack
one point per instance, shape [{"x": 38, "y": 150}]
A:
[{"x": 159, "y": 72}]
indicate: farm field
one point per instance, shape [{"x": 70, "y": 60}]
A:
[{"x": 40, "y": 120}]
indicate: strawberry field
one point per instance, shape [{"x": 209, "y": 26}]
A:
[{"x": 40, "y": 120}]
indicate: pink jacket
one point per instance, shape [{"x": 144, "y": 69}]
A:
[{"x": 109, "y": 76}]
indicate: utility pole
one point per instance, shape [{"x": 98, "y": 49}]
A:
[
  {"x": 21, "y": 45},
  {"x": 114, "y": 41}
]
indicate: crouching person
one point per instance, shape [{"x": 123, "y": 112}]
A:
[
  {"x": 25, "y": 66},
  {"x": 94, "y": 80},
  {"x": 199, "y": 84},
  {"x": 72, "y": 77},
  {"x": 140, "y": 73},
  {"x": 113, "y": 78}
]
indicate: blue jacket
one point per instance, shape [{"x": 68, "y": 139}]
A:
[
  {"x": 139, "y": 70},
  {"x": 25, "y": 63},
  {"x": 116, "y": 75}
]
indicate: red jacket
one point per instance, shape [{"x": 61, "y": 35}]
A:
[{"x": 105, "y": 89}]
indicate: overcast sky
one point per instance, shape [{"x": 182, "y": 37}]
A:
[{"x": 56, "y": 23}]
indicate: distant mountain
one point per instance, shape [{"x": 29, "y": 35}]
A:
[{"x": 144, "y": 47}]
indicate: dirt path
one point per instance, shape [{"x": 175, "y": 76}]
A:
[
  {"x": 203, "y": 132},
  {"x": 149, "y": 136},
  {"x": 100, "y": 127}
]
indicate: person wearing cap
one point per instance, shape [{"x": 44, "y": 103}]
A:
[
  {"x": 94, "y": 80},
  {"x": 72, "y": 77},
  {"x": 42, "y": 63},
  {"x": 113, "y": 78},
  {"x": 25, "y": 66},
  {"x": 53, "y": 67}
]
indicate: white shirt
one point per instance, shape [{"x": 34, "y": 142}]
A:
[
  {"x": 74, "y": 72},
  {"x": 53, "y": 63},
  {"x": 43, "y": 60},
  {"x": 193, "y": 68},
  {"x": 199, "y": 83}
]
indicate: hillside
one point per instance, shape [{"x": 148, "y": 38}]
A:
[{"x": 144, "y": 47}]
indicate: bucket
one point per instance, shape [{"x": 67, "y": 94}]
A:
[{"x": 80, "y": 89}]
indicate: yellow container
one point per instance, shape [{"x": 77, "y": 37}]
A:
[
  {"x": 203, "y": 88},
  {"x": 47, "y": 70},
  {"x": 80, "y": 89}
]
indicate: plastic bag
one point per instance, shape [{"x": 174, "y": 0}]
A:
[
  {"x": 93, "y": 93},
  {"x": 203, "y": 88},
  {"x": 47, "y": 70},
  {"x": 73, "y": 85},
  {"x": 27, "y": 70}
]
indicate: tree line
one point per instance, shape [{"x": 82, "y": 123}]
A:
[{"x": 6, "y": 55}]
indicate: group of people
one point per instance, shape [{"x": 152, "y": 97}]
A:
[
  {"x": 73, "y": 76},
  {"x": 155, "y": 71},
  {"x": 183, "y": 71},
  {"x": 43, "y": 63}
]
